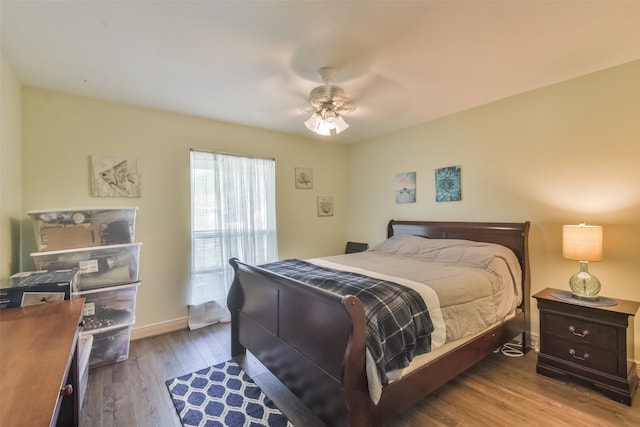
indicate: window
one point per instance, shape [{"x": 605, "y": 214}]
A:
[{"x": 232, "y": 215}]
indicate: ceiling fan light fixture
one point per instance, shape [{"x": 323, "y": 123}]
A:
[
  {"x": 313, "y": 122},
  {"x": 326, "y": 122},
  {"x": 340, "y": 124},
  {"x": 329, "y": 102}
]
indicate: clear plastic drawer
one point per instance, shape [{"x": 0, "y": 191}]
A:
[
  {"x": 109, "y": 307},
  {"x": 110, "y": 347},
  {"x": 78, "y": 228},
  {"x": 99, "y": 266}
]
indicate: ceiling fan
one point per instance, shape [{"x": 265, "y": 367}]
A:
[{"x": 328, "y": 104}]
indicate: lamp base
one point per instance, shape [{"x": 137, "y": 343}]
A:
[{"x": 584, "y": 285}]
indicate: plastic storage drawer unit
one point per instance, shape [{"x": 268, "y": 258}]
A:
[
  {"x": 110, "y": 346},
  {"x": 77, "y": 228},
  {"x": 99, "y": 266},
  {"x": 107, "y": 307}
]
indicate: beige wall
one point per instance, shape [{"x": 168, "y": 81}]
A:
[
  {"x": 61, "y": 132},
  {"x": 10, "y": 170},
  {"x": 558, "y": 155}
]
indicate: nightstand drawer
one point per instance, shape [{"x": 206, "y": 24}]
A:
[
  {"x": 582, "y": 332},
  {"x": 582, "y": 354}
]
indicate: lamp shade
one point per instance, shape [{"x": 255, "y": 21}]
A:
[{"x": 582, "y": 242}]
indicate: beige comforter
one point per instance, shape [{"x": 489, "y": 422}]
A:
[{"x": 467, "y": 286}]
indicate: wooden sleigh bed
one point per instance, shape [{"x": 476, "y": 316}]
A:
[{"x": 314, "y": 340}]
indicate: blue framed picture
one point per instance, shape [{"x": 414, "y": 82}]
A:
[
  {"x": 448, "y": 184},
  {"x": 406, "y": 187}
]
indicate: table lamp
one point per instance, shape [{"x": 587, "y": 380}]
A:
[{"x": 583, "y": 243}]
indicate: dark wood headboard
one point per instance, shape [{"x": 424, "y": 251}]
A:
[{"x": 513, "y": 235}]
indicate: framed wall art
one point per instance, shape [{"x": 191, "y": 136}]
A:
[
  {"x": 115, "y": 177},
  {"x": 406, "y": 187},
  {"x": 448, "y": 188},
  {"x": 304, "y": 177},
  {"x": 325, "y": 206}
]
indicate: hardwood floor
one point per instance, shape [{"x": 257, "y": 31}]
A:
[{"x": 500, "y": 391}]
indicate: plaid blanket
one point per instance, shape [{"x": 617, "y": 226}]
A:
[{"x": 399, "y": 325}]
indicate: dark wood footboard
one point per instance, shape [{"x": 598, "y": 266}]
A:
[
  {"x": 311, "y": 339},
  {"x": 314, "y": 340}
]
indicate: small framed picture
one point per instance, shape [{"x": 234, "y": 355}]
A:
[
  {"x": 304, "y": 177},
  {"x": 325, "y": 206},
  {"x": 448, "y": 188},
  {"x": 115, "y": 177},
  {"x": 406, "y": 187}
]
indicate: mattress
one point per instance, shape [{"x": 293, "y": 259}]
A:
[{"x": 467, "y": 286}]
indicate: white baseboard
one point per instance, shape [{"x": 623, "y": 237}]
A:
[{"x": 159, "y": 328}]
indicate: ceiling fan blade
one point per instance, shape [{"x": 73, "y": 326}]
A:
[
  {"x": 350, "y": 58},
  {"x": 280, "y": 98},
  {"x": 378, "y": 96}
]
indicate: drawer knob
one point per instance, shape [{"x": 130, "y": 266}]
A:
[
  {"x": 66, "y": 390},
  {"x": 584, "y": 333},
  {"x": 583, "y": 357}
]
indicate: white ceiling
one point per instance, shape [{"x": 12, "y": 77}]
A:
[{"x": 254, "y": 62}]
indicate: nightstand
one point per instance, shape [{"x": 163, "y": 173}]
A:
[{"x": 590, "y": 343}]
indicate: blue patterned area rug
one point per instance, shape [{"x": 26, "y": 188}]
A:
[{"x": 223, "y": 395}]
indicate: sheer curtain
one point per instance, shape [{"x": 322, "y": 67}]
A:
[{"x": 233, "y": 214}]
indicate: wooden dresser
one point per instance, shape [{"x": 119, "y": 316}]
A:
[
  {"x": 38, "y": 364},
  {"x": 590, "y": 343}
]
